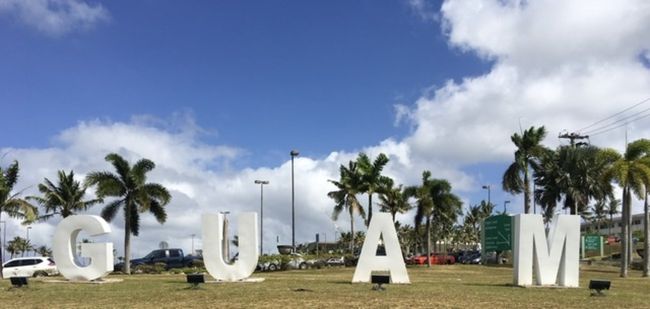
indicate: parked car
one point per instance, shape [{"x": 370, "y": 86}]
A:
[
  {"x": 270, "y": 265},
  {"x": 172, "y": 258},
  {"x": 33, "y": 266},
  {"x": 436, "y": 258},
  {"x": 335, "y": 261},
  {"x": 298, "y": 262},
  {"x": 442, "y": 259},
  {"x": 471, "y": 258}
]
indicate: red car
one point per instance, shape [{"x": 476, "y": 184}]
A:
[{"x": 436, "y": 258}]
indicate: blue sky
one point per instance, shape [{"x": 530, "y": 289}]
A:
[
  {"x": 217, "y": 93},
  {"x": 319, "y": 76}
]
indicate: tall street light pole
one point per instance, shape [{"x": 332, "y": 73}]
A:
[
  {"x": 261, "y": 183},
  {"x": 293, "y": 153},
  {"x": 4, "y": 229},
  {"x": 28, "y": 228},
  {"x": 487, "y": 187},
  {"x": 193, "y": 243},
  {"x": 504, "y": 206}
]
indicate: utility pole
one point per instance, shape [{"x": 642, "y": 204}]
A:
[{"x": 572, "y": 137}]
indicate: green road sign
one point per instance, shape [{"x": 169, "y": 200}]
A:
[
  {"x": 497, "y": 233},
  {"x": 592, "y": 242}
]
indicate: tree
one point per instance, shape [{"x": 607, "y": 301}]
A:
[
  {"x": 44, "y": 251},
  {"x": 424, "y": 207},
  {"x": 632, "y": 173},
  {"x": 393, "y": 200},
  {"x": 517, "y": 177},
  {"x": 345, "y": 197},
  {"x": 371, "y": 177},
  {"x": 574, "y": 176},
  {"x": 599, "y": 213},
  {"x": 612, "y": 210},
  {"x": 471, "y": 228},
  {"x": 65, "y": 198},
  {"x": 18, "y": 245},
  {"x": 435, "y": 204},
  {"x": 10, "y": 202},
  {"x": 134, "y": 195}
]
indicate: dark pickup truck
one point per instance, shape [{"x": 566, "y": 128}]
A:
[{"x": 172, "y": 258}]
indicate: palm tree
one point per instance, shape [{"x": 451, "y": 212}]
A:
[
  {"x": 599, "y": 213},
  {"x": 612, "y": 210},
  {"x": 574, "y": 176},
  {"x": 10, "y": 202},
  {"x": 65, "y": 198},
  {"x": 516, "y": 179},
  {"x": 471, "y": 223},
  {"x": 18, "y": 245},
  {"x": 632, "y": 173},
  {"x": 134, "y": 195},
  {"x": 44, "y": 251},
  {"x": 424, "y": 207},
  {"x": 393, "y": 200},
  {"x": 345, "y": 197},
  {"x": 371, "y": 177},
  {"x": 435, "y": 204}
]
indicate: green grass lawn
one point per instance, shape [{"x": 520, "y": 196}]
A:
[{"x": 455, "y": 286}]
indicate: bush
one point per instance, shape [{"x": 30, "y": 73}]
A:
[{"x": 157, "y": 268}]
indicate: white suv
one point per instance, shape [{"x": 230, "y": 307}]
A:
[{"x": 33, "y": 266}]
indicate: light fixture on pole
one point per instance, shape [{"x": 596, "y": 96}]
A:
[
  {"x": 261, "y": 183},
  {"x": 504, "y": 206},
  {"x": 487, "y": 187},
  {"x": 293, "y": 153}
]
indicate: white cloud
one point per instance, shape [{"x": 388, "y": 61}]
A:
[
  {"x": 562, "y": 64},
  {"x": 200, "y": 181},
  {"x": 56, "y": 17}
]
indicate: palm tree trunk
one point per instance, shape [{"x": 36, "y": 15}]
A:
[
  {"x": 127, "y": 239},
  {"x": 646, "y": 233},
  {"x": 526, "y": 190},
  {"x": 369, "y": 208},
  {"x": 351, "y": 231},
  {"x": 428, "y": 242},
  {"x": 624, "y": 227},
  {"x": 630, "y": 245}
]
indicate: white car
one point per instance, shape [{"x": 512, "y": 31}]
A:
[{"x": 33, "y": 266}]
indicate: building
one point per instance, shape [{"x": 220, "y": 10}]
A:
[{"x": 616, "y": 226}]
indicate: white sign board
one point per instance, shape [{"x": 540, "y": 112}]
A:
[
  {"x": 213, "y": 235},
  {"x": 64, "y": 248},
  {"x": 555, "y": 259},
  {"x": 381, "y": 225}
]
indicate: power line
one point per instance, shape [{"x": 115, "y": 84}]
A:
[
  {"x": 614, "y": 115},
  {"x": 624, "y": 120},
  {"x": 623, "y": 124}
]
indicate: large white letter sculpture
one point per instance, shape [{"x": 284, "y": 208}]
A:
[
  {"x": 212, "y": 226},
  {"x": 64, "y": 248},
  {"x": 381, "y": 225},
  {"x": 555, "y": 259}
]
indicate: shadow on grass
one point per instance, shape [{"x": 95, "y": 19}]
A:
[
  {"x": 606, "y": 271},
  {"x": 502, "y": 285}
]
